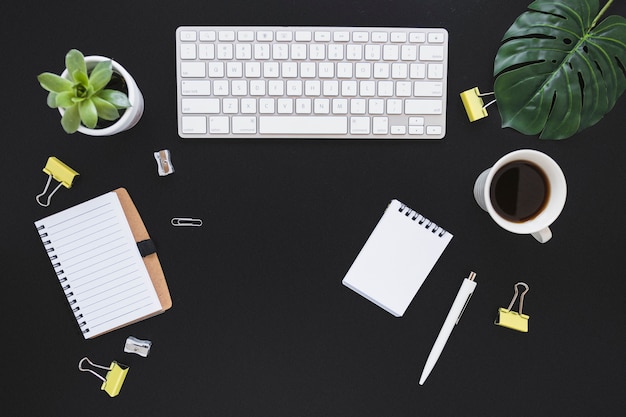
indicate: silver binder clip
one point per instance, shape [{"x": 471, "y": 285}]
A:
[
  {"x": 164, "y": 162},
  {"x": 186, "y": 221}
]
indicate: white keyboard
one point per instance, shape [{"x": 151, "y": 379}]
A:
[{"x": 311, "y": 82}]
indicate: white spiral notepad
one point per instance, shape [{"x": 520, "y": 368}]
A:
[
  {"x": 397, "y": 258},
  {"x": 94, "y": 251}
]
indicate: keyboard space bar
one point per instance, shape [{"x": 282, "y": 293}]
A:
[{"x": 303, "y": 125}]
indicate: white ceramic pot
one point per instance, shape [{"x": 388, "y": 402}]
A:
[{"x": 131, "y": 115}]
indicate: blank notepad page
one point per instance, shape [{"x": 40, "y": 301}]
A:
[
  {"x": 397, "y": 258},
  {"x": 98, "y": 264}
]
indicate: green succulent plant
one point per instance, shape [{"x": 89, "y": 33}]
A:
[{"x": 83, "y": 95}]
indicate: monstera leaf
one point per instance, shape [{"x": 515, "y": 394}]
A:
[{"x": 560, "y": 69}]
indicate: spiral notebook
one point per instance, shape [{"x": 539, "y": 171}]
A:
[
  {"x": 105, "y": 262},
  {"x": 397, "y": 258}
]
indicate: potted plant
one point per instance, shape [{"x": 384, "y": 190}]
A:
[{"x": 95, "y": 95}]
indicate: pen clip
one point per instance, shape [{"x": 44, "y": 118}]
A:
[
  {"x": 463, "y": 310},
  {"x": 471, "y": 277}
]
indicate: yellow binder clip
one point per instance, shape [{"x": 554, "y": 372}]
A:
[
  {"x": 112, "y": 382},
  {"x": 474, "y": 106},
  {"x": 513, "y": 319},
  {"x": 60, "y": 172}
]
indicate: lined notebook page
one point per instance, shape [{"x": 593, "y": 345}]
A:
[{"x": 96, "y": 259}]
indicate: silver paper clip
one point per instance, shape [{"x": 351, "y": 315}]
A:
[{"x": 186, "y": 221}]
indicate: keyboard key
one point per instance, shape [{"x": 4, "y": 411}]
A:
[
  {"x": 245, "y": 125},
  {"x": 433, "y": 130},
  {"x": 303, "y": 36},
  {"x": 303, "y": 106},
  {"x": 360, "y": 125},
  {"x": 193, "y": 69},
  {"x": 284, "y": 36},
  {"x": 201, "y": 106},
  {"x": 219, "y": 125},
  {"x": 195, "y": 88},
  {"x": 391, "y": 52},
  {"x": 188, "y": 51},
  {"x": 416, "y": 130},
  {"x": 423, "y": 106},
  {"x": 195, "y": 125},
  {"x": 226, "y": 35},
  {"x": 188, "y": 35},
  {"x": 398, "y": 130},
  {"x": 322, "y": 36},
  {"x": 379, "y": 37},
  {"x": 360, "y": 37},
  {"x": 436, "y": 37},
  {"x": 380, "y": 125},
  {"x": 303, "y": 125},
  {"x": 265, "y": 36},
  {"x": 206, "y": 51},
  {"x": 435, "y": 71},
  {"x": 207, "y": 36},
  {"x": 398, "y": 37},
  {"x": 341, "y": 36},
  {"x": 417, "y": 37},
  {"x": 428, "y": 89},
  {"x": 431, "y": 53},
  {"x": 245, "y": 35}
]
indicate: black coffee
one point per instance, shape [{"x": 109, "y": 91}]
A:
[{"x": 519, "y": 191}]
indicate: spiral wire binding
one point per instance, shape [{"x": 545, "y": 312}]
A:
[
  {"x": 415, "y": 216},
  {"x": 60, "y": 275}
]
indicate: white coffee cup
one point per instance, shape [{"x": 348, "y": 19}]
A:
[{"x": 536, "y": 225}]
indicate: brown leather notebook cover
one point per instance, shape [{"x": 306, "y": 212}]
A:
[
  {"x": 140, "y": 233},
  {"x": 151, "y": 261}
]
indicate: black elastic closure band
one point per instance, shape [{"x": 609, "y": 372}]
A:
[{"x": 146, "y": 247}]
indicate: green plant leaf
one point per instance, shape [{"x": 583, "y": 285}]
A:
[
  {"x": 75, "y": 63},
  {"x": 557, "y": 72},
  {"x": 81, "y": 78},
  {"x": 88, "y": 113},
  {"x": 71, "y": 119},
  {"x": 51, "y": 100},
  {"x": 65, "y": 99},
  {"x": 106, "y": 110},
  {"x": 100, "y": 75},
  {"x": 117, "y": 98},
  {"x": 53, "y": 82}
]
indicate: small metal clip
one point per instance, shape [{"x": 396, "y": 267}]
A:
[
  {"x": 513, "y": 319},
  {"x": 112, "y": 382},
  {"x": 60, "y": 172},
  {"x": 186, "y": 221},
  {"x": 164, "y": 162},
  {"x": 474, "y": 106}
]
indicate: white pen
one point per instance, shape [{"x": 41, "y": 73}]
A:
[{"x": 460, "y": 302}]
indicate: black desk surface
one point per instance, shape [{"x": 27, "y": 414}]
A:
[{"x": 261, "y": 325}]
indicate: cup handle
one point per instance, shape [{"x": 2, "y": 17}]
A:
[{"x": 543, "y": 235}]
